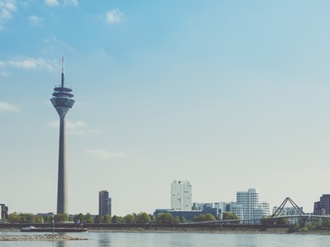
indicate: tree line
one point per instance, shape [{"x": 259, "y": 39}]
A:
[{"x": 133, "y": 218}]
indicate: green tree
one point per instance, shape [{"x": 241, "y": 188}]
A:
[
  {"x": 164, "y": 218},
  {"x": 34, "y": 218},
  {"x": 48, "y": 219},
  {"x": 117, "y": 219},
  {"x": 229, "y": 216},
  {"x": 182, "y": 219},
  {"x": 14, "y": 217},
  {"x": 198, "y": 218},
  {"x": 61, "y": 217},
  {"x": 176, "y": 220},
  {"x": 107, "y": 218},
  {"x": 315, "y": 224},
  {"x": 25, "y": 217},
  {"x": 79, "y": 218},
  {"x": 326, "y": 223},
  {"x": 89, "y": 218},
  {"x": 129, "y": 219},
  {"x": 114, "y": 219},
  {"x": 143, "y": 218},
  {"x": 204, "y": 217},
  {"x": 40, "y": 219},
  {"x": 152, "y": 218},
  {"x": 99, "y": 219},
  {"x": 210, "y": 217}
]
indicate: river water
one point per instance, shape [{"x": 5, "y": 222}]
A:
[{"x": 121, "y": 239}]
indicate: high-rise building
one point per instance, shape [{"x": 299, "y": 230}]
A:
[
  {"x": 236, "y": 209},
  {"x": 3, "y": 212},
  {"x": 104, "y": 203},
  {"x": 181, "y": 195},
  {"x": 322, "y": 207},
  {"x": 63, "y": 102},
  {"x": 253, "y": 211}
]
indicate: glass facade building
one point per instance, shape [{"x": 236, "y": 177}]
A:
[
  {"x": 104, "y": 203},
  {"x": 322, "y": 207}
]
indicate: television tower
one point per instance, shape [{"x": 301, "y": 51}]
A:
[{"x": 62, "y": 101}]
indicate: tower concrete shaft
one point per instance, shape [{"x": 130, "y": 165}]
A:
[
  {"x": 62, "y": 197},
  {"x": 63, "y": 102}
]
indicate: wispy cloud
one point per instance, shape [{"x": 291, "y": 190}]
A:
[
  {"x": 7, "y": 7},
  {"x": 76, "y": 128},
  {"x": 27, "y": 63},
  {"x": 77, "y": 124},
  {"x": 54, "y": 124},
  {"x": 7, "y": 107},
  {"x": 35, "y": 20},
  {"x": 71, "y": 2},
  {"x": 114, "y": 16},
  {"x": 100, "y": 153},
  {"x": 52, "y": 2},
  {"x": 5, "y": 73},
  {"x": 32, "y": 63},
  {"x": 69, "y": 124}
]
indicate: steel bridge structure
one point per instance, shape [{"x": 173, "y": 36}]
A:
[{"x": 278, "y": 214}]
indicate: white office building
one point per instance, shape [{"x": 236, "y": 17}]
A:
[
  {"x": 236, "y": 209},
  {"x": 253, "y": 211},
  {"x": 181, "y": 195}
]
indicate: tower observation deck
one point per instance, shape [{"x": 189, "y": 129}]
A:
[{"x": 63, "y": 102}]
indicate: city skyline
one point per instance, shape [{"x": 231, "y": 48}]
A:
[{"x": 226, "y": 94}]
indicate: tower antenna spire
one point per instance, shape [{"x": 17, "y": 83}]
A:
[{"x": 62, "y": 79}]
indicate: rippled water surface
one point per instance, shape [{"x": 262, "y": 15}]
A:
[{"x": 120, "y": 239}]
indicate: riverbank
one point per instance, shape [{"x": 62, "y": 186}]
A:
[
  {"x": 212, "y": 231},
  {"x": 191, "y": 230},
  {"x": 44, "y": 237},
  {"x": 183, "y": 228}
]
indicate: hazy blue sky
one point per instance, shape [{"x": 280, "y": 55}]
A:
[{"x": 229, "y": 95}]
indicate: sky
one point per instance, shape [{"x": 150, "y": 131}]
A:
[{"x": 229, "y": 95}]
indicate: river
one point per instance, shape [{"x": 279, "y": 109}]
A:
[{"x": 122, "y": 239}]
